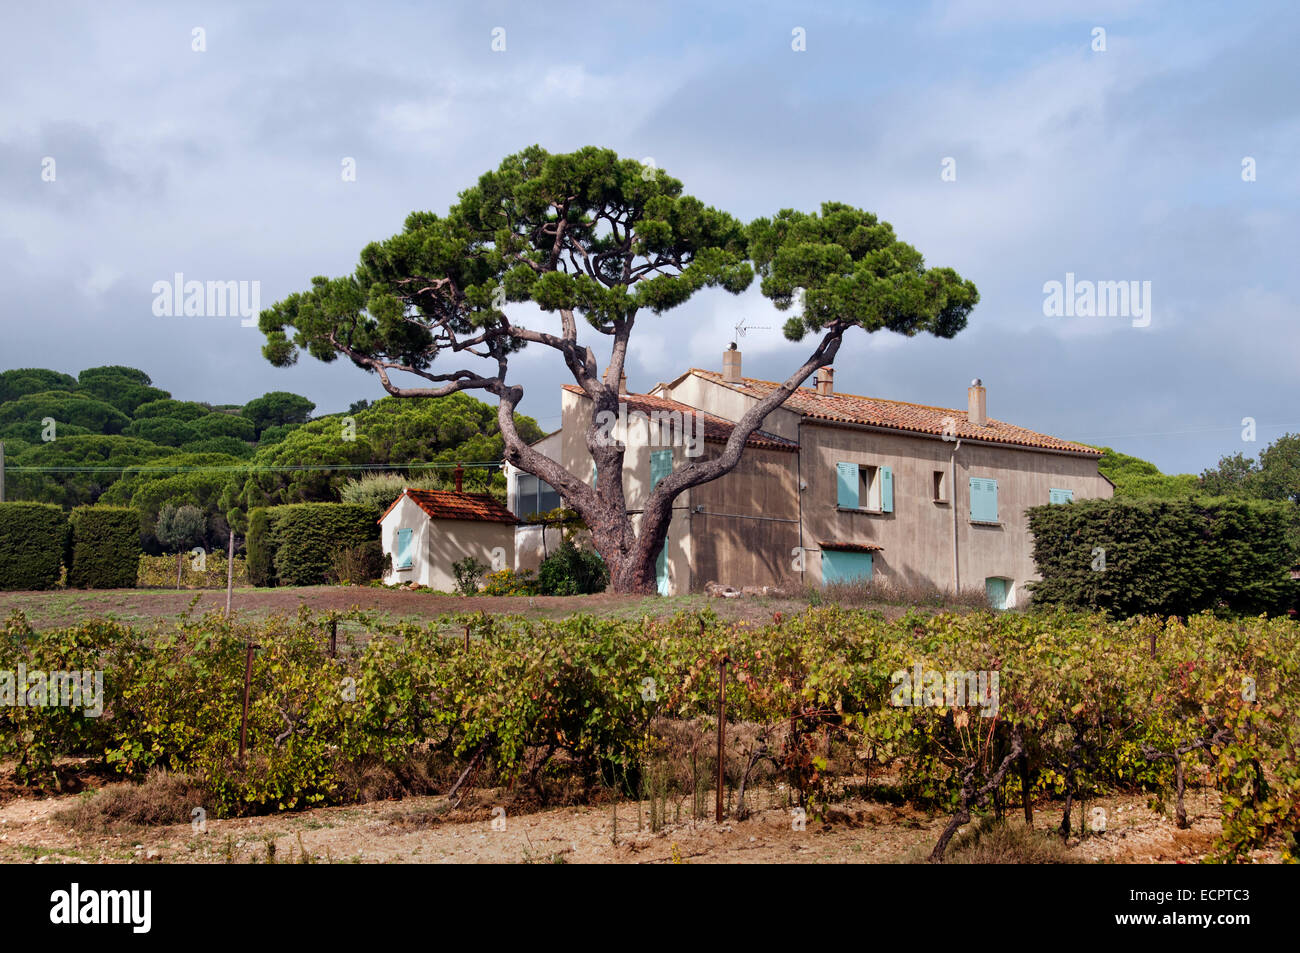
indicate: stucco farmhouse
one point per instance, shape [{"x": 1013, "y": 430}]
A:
[{"x": 835, "y": 487}]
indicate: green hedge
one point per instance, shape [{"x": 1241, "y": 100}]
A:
[
  {"x": 1170, "y": 557},
  {"x": 260, "y": 549},
  {"x": 32, "y": 540},
  {"x": 297, "y": 544},
  {"x": 105, "y": 547}
]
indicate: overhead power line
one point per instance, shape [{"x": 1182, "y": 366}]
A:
[{"x": 143, "y": 468}]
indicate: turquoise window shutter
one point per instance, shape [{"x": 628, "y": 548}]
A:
[
  {"x": 661, "y": 464},
  {"x": 886, "y": 490},
  {"x": 594, "y": 473},
  {"x": 661, "y": 570},
  {"x": 1060, "y": 496},
  {"x": 841, "y": 566},
  {"x": 846, "y": 476},
  {"x": 983, "y": 500},
  {"x": 405, "y": 549}
]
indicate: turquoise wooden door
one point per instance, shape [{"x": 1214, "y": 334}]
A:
[
  {"x": 842, "y": 566},
  {"x": 996, "y": 589},
  {"x": 661, "y": 464}
]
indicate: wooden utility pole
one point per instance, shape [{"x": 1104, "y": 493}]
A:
[
  {"x": 2, "y": 471},
  {"x": 230, "y": 571}
]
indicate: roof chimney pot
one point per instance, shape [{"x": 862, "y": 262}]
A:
[
  {"x": 826, "y": 382},
  {"x": 977, "y": 407},
  {"x": 731, "y": 364}
]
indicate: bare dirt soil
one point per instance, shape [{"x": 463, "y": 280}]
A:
[
  {"x": 426, "y": 830},
  {"x": 145, "y": 606}
]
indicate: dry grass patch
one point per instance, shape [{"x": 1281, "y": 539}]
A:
[
  {"x": 990, "y": 841},
  {"x": 160, "y": 799}
]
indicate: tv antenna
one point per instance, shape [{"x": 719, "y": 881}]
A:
[{"x": 741, "y": 328}]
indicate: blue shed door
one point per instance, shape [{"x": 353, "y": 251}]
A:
[
  {"x": 841, "y": 566},
  {"x": 996, "y": 589}
]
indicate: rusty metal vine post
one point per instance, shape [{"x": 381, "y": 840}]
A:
[
  {"x": 722, "y": 732},
  {"x": 248, "y": 683},
  {"x": 334, "y": 637},
  {"x": 467, "y": 638}
]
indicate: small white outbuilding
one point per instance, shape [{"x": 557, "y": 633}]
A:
[{"x": 426, "y": 531}]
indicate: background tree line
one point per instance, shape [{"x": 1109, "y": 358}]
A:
[{"x": 109, "y": 436}]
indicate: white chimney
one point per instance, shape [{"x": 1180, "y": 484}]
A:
[
  {"x": 826, "y": 382},
  {"x": 977, "y": 406},
  {"x": 731, "y": 364}
]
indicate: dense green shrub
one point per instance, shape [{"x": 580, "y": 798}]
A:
[
  {"x": 354, "y": 565},
  {"x": 260, "y": 549},
  {"x": 571, "y": 571},
  {"x": 105, "y": 547},
  {"x": 1170, "y": 557},
  {"x": 32, "y": 540},
  {"x": 468, "y": 572},
  {"x": 306, "y": 537},
  {"x": 507, "y": 582}
]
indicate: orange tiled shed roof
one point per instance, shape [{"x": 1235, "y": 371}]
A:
[
  {"x": 898, "y": 415},
  {"x": 450, "y": 505},
  {"x": 716, "y": 429}
]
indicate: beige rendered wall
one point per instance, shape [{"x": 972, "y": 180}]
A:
[
  {"x": 716, "y": 537},
  {"x": 722, "y": 401},
  {"x": 917, "y": 536},
  {"x": 450, "y": 541},
  {"x": 744, "y": 526}
]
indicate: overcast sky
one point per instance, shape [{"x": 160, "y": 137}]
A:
[{"x": 1122, "y": 164}]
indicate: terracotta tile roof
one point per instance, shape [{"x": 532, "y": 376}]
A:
[
  {"x": 898, "y": 415},
  {"x": 716, "y": 429},
  {"x": 853, "y": 547},
  {"x": 450, "y": 505}
]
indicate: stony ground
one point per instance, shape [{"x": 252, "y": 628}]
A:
[{"x": 424, "y": 830}]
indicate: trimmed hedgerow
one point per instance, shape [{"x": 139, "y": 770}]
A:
[
  {"x": 32, "y": 540},
  {"x": 1170, "y": 557},
  {"x": 105, "y": 547},
  {"x": 306, "y": 537},
  {"x": 260, "y": 548}
]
